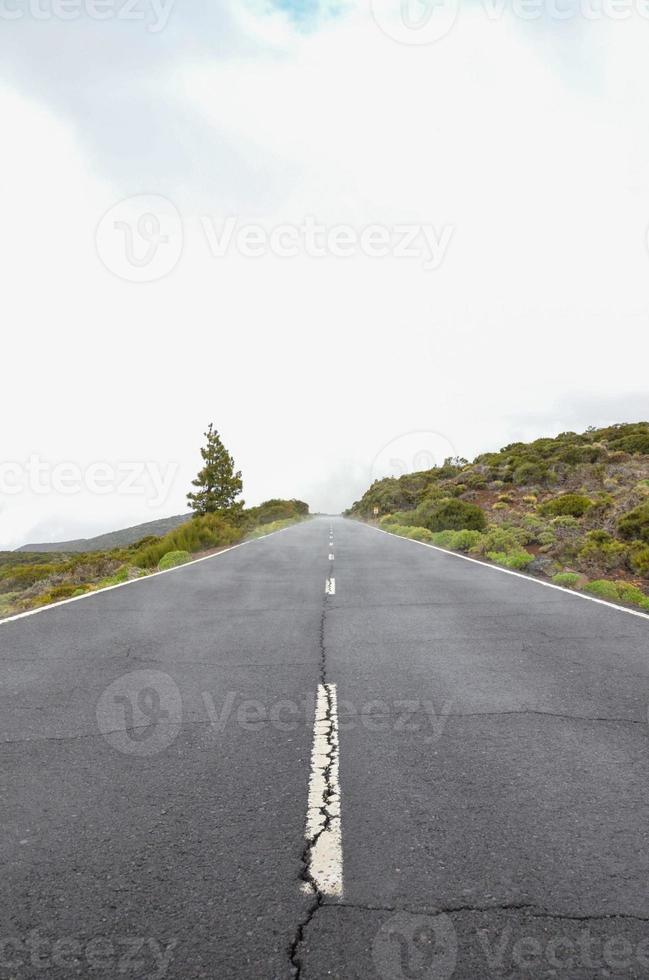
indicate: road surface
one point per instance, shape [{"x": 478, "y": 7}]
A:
[{"x": 326, "y": 753}]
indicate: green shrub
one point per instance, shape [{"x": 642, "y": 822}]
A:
[
  {"x": 500, "y": 539},
  {"x": 632, "y": 594},
  {"x": 198, "y": 534},
  {"x": 407, "y": 518},
  {"x": 465, "y": 540},
  {"x": 533, "y": 522},
  {"x": 420, "y": 534},
  {"x": 547, "y": 537},
  {"x": 456, "y": 515},
  {"x": 603, "y": 550},
  {"x": 566, "y": 505},
  {"x": 639, "y": 558},
  {"x": 512, "y": 559},
  {"x": 272, "y": 511},
  {"x": 500, "y": 505},
  {"x": 603, "y": 589},
  {"x": 172, "y": 559},
  {"x": 120, "y": 576},
  {"x": 618, "y": 592},
  {"x": 529, "y": 473},
  {"x": 399, "y": 529},
  {"x": 444, "y": 539},
  {"x": 635, "y": 444},
  {"x": 635, "y": 524},
  {"x": 567, "y": 579},
  {"x": 564, "y": 522}
]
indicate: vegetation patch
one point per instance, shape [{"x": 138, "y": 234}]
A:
[
  {"x": 173, "y": 559},
  {"x": 566, "y": 505},
  {"x": 568, "y": 580},
  {"x": 577, "y": 501}
]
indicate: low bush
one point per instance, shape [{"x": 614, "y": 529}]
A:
[
  {"x": 635, "y": 524},
  {"x": 568, "y": 580},
  {"x": 513, "y": 559},
  {"x": 639, "y": 559},
  {"x": 635, "y": 444},
  {"x": 198, "y": 534},
  {"x": 465, "y": 540},
  {"x": 632, "y": 594},
  {"x": 444, "y": 539},
  {"x": 618, "y": 592},
  {"x": 565, "y": 521},
  {"x": 407, "y": 518},
  {"x": 500, "y": 539},
  {"x": 566, "y": 505},
  {"x": 272, "y": 511},
  {"x": 420, "y": 534},
  {"x": 261, "y": 532},
  {"x": 119, "y": 577},
  {"x": 603, "y": 589},
  {"x": 173, "y": 559},
  {"x": 528, "y": 474},
  {"x": 602, "y": 549},
  {"x": 456, "y": 515}
]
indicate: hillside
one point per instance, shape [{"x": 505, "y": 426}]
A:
[
  {"x": 574, "y": 509},
  {"x": 105, "y": 542}
]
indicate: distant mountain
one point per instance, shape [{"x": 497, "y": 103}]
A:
[{"x": 114, "y": 539}]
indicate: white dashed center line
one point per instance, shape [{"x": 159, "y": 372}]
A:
[
  {"x": 330, "y": 586},
  {"x": 323, "y": 828}
]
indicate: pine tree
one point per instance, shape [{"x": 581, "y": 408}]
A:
[{"x": 218, "y": 484}]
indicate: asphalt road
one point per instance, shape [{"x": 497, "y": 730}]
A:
[{"x": 484, "y": 781}]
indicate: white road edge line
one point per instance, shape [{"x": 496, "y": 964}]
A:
[
  {"x": 330, "y": 586},
  {"x": 323, "y": 827},
  {"x": 145, "y": 578},
  {"x": 508, "y": 571}
]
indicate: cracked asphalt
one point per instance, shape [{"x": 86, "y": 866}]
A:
[{"x": 156, "y": 751}]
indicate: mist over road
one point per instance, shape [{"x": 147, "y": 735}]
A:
[{"x": 330, "y": 752}]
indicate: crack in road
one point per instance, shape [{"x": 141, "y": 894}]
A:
[
  {"x": 535, "y": 911},
  {"x": 547, "y": 714},
  {"x": 319, "y": 819}
]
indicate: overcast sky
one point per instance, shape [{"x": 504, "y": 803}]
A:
[{"x": 355, "y": 237}]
